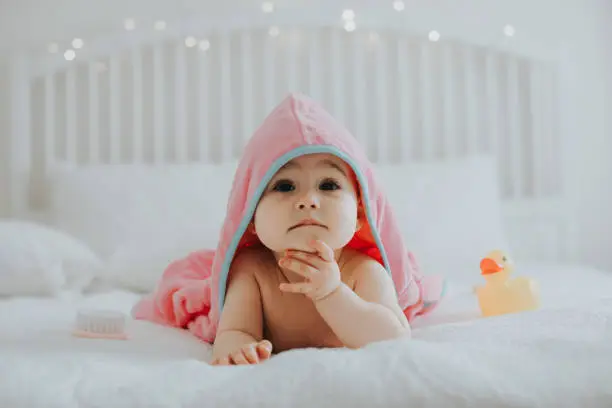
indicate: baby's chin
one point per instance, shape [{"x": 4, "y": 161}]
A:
[{"x": 300, "y": 240}]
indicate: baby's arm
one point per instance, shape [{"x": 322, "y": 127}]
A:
[
  {"x": 240, "y": 331},
  {"x": 370, "y": 313}
]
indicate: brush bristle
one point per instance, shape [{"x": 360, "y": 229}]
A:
[{"x": 100, "y": 322}]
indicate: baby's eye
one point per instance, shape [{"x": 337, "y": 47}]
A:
[
  {"x": 329, "y": 185},
  {"x": 284, "y": 186}
]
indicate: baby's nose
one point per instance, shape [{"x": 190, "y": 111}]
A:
[{"x": 308, "y": 201}]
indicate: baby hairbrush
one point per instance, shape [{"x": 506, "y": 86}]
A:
[{"x": 100, "y": 324}]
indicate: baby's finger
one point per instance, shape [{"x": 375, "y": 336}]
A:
[
  {"x": 223, "y": 361},
  {"x": 325, "y": 252},
  {"x": 302, "y": 287},
  {"x": 264, "y": 349},
  {"x": 239, "y": 359},
  {"x": 250, "y": 354},
  {"x": 298, "y": 267}
]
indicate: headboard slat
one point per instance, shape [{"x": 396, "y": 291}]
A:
[
  {"x": 248, "y": 114},
  {"x": 114, "y": 108},
  {"x": 179, "y": 105},
  {"x": 314, "y": 66},
  {"x": 94, "y": 113},
  {"x": 513, "y": 113},
  {"x": 426, "y": 96},
  {"x": 159, "y": 127},
  {"x": 492, "y": 109},
  {"x": 71, "y": 116},
  {"x": 381, "y": 136},
  {"x": 137, "y": 106},
  {"x": 50, "y": 109},
  {"x": 471, "y": 97},
  {"x": 203, "y": 106},
  {"x": 336, "y": 84},
  {"x": 227, "y": 132},
  {"x": 451, "y": 134},
  {"x": 269, "y": 73},
  {"x": 359, "y": 85},
  {"x": 405, "y": 97}
]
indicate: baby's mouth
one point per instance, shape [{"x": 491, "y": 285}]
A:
[{"x": 307, "y": 223}]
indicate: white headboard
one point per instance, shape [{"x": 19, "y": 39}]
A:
[{"x": 164, "y": 97}]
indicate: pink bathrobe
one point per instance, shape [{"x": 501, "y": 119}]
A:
[{"x": 191, "y": 291}]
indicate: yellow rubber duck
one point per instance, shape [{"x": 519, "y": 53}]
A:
[{"x": 500, "y": 294}]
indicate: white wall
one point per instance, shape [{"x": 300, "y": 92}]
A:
[
  {"x": 580, "y": 28},
  {"x": 587, "y": 76}
]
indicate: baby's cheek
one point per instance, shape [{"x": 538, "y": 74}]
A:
[{"x": 347, "y": 211}]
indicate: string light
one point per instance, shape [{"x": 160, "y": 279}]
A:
[
  {"x": 129, "y": 24},
  {"x": 348, "y": 15},
  {"x": 267, "y": 7},
  {"x": 204, "y": 45},
  {"x": 434, "y": 36},
  {"x": 399, "y": 5},
  {"x": 69, "y": 55},
  {"x": 77, "y": 43},
  {"x": 191, "y": 42}
]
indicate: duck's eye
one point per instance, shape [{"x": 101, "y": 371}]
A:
[
  {"x": 329, "y": 185},
  {"x": 504, "y": 259},
  {"x": 283, "y": 186}
]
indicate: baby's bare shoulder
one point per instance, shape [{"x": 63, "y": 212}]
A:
[
  {"x": 356, "y": 264},
  {"x": 255, "y": 253},
  {"x": 354, "y": 259}
]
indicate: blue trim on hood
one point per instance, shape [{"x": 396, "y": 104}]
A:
[{"x": 274, "y": 168}]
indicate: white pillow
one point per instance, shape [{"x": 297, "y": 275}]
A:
[
  {"x": 107, "y": 205},
  {"x": 139, "y": 264},
  {"x": 449, "y": 212},
  {"x": 37, "y": 260},
  {"x": 139, "y": 218}
]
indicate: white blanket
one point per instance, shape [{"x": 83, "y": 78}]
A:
[{"x": 560, "y": 356}]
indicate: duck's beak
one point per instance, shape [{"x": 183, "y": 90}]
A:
[{"x": 489, "y": 266}]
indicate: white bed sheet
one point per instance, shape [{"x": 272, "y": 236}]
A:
[{"x": 559, "y": 356}]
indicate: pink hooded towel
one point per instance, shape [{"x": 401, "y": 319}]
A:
[{"x": 191, "y": 291}]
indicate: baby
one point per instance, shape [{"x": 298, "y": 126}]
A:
[
  {"x": 302, "y": 287},
  {"x": 309, "y": 254}
]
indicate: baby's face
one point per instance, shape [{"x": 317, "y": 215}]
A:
[{"x": 311, "y": 197}]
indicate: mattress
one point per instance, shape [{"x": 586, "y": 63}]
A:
[{"x": 558, "y": 356}]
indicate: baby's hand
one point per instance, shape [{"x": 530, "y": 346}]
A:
[
  {"x": 320, "y": 270},
  {"x": 252, "y": 353}
]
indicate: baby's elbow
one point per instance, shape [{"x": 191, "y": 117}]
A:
[{"x": 397, "y": 333}]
